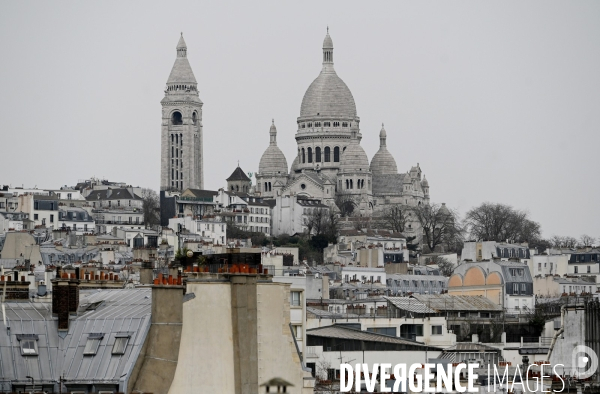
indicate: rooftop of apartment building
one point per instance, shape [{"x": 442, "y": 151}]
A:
[{"x": 101, "y": 344}]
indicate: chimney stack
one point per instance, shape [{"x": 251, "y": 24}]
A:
[{"x": 65, "y": 300}]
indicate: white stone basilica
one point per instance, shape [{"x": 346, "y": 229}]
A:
[{"x": 330, "y": 160}]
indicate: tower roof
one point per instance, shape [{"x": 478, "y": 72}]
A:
[
  {"x": 238, "y": 175},
  {"x": 383, "y": 162},
  {"x": 181, "y": 43},
  {"x": 328, "y": 42},
  {"x": 273, "y": 160},
  {"x": 328, "y": 95},
  {"x": 181, "y": 73}
]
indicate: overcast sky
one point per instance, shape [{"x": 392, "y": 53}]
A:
[{"x": 497, "y": 101}]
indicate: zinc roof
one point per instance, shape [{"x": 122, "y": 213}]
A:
[
  {"x": 341, "y": 332},
  {"x": 410, "y": 304},
  {"x": 447, "y": 302},
  {"x": 117, "y": 312}
]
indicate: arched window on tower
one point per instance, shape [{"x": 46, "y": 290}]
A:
[
  {"x": 327, "y": 154},
  {"x": 310, "y": 155},
  {"x": 176, "y": 118},
  {"x": 336, "y": 154},
  {"x": 317, "y": 154},
  {"x": 194, "y": 119},
  {"x": 303, "y": 156}
]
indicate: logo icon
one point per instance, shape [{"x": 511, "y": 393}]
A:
[{"x": 584, "y": 361}]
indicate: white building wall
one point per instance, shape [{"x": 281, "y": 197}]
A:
[
  {"x": 208, "y": 230},
  {"x": 548, "y": 264}
]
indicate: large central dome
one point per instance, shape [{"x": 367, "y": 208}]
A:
[{"x": 328, "y": 95}]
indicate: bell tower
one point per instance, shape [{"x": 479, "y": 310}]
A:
[{"x": 181, "y": 131}]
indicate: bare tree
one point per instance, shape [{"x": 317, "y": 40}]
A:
[
  {"x": 499, "y": 222},
  {"x": 563, "y": 242},
  {"x": 445, "y": 266},
  {"x": 316, "y": 220},
  {"x": 150, "y": 207},
  {"x": 361, "y": 222},
  {"x": 440, "y": 225},
  {"x": 586, "y": 241},
  {"x": 395, "y": 218}
]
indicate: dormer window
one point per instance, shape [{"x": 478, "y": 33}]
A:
[
  {"x": 92, "y": 344},
  {"x": 28, "y": 344},
  {"x": 120, "y": 345}
]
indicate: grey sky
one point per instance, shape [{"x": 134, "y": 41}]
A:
[{"x": 497, "y": 101}]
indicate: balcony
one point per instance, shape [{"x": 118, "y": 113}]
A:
[
  {"x": 196, "y": 199},
  {"x": 121, "y": 222}
]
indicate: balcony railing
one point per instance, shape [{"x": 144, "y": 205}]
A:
[
  {"x": 196, "y": 199},
  {"x": 543, "y": 342},
  {"x": 119, "y": 222}
]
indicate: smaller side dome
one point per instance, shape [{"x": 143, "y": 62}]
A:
[
  {"x": 424, "y": 182},
  {"x": 354, "y": 158},
  {"x": 273, "y": 161},
  {"x": 383, "y": 162}
]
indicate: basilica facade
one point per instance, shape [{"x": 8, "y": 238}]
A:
[{"x": 330, "y": 164}]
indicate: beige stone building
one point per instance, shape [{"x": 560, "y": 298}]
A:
[
  {"x": 507, "y": 283},
  {"x": 236, "y": 335}
]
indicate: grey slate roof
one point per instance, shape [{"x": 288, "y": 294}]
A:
[
  {"x": 120, "y": 311},
  {"x": 111, "y": 194},
  {"x": 238, "y": 175}
]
